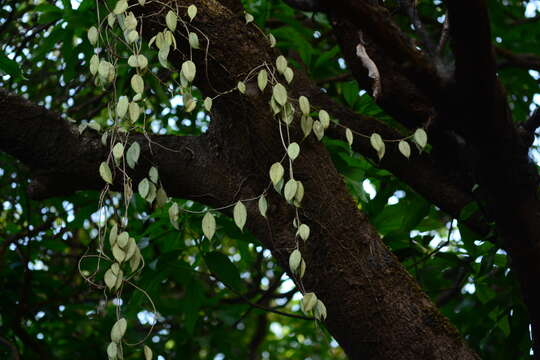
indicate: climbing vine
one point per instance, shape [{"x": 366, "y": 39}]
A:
[{"x": 118, "y": 42}]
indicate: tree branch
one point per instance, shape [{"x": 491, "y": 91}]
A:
[
  {"x": 63, "y": 161},
  {"x": 511, "y": 59},
  {"x": 305, "y": 5},
  {"x": 419, "y": 172},
  {"x": 474, "y": 57},
  {"x": 375, "y": 22},
  {"x": 401, "y": 98}
]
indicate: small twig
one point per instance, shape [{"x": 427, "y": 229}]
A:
[
  {"x": 12, "y": 347},
  {"x": 521, "y": 21},
  {"x": 247, "y": 301},
  {"x": 268, "y": 309},
  {"x": 438, "y": 248},
  {"x": 448, "y": 294},
  {"x": 444, "y": 35},
  {"x": 419, "y": 27}
]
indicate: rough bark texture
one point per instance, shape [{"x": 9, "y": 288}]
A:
[{"x": 375, "y": 309}]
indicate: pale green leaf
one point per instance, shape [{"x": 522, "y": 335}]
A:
[
  {"x": 119, "y": 254},
  {"x": 173, "y": 215},
  {"x": 152, "y": 191},
  {"x": 105, "y": 172},
  {"x": 241, "y": 87},
  {"x": 420, "y": 137},
  {"x": 144, "y": 188},
  {"x": 302, "y": 269},
  {"x": 349, "y": 136},
  {"x": 280, "y": 94},
  {"x": 281, "y": 64},
  {"x": 133, "y": 61},
  {"x": 306, "y": 123},
  {"x": 303, "y": 231},
  {"x": 131, "y": 247},
  {"x": 263, "y": 205},
  {"x": 119, "y": 280},
  {"x": 112, "y": 351},
  {"x": 378, "y": 144},
  {"x": 318, "y": 129},
  {"x": 404, "y": 148},
  {"x": 279, "y": 186},
  {"x": 276, "y": 173},
  {"x": 147, "y": 351},
  {"x": 111, "y": 19},
  {"x": 153, "y": 174},
  {"x": 94, "y": 64},
  {"x": 320, "y": 311},
  {"x": 113, "y": 235},
  {"x": 142, "y": 61},
  {"x": 122, "y": 106},
  {"x": 309, "y": 301},
  {"x": 120, "y": 7},
  {"x": 290, "y": 189},
  {"x": 135, "y": 260},
  {"x": 115, "y": 268},
  {"x": 171, "y": 20},
  {"x": 133, "y": 153},
  {"x": 304, "y": 105},
  {"x": 137, "y": 83},
  {"x": 189, "y": 70},
  {"x": 190, "y": 105},
  {"x": 93, "y": 35},
  {"x": 161, "y": 197},
  {"x": 208, "y": 104},
  {"x": 118, "y": 150},
  {"x": 240, "y": 215},
  {"x": 130, "y": 21},
  {"x": 324, "y": 118},
  {"x": 293, "y": 150},
  {"x": 192, "y": 11},
  {"x": 118, "y": 330},
  {"x": 193, "y": 39},
  {"x": 134, "y": 111},
  {"x": 272, "y": 40},
  {"x": 110, "y": 279},
  {"x": 294, "y": 260},
  {"x": 262, "y": 79},
  {"x": 299, "y": 194},
  {"x": 209, "y": 225},
  {"x": 122, "y": 239},
  {"x": 288, "y": 114},
  {"x": 288, "y": 74},
  {"x": 132, "y": 36}
]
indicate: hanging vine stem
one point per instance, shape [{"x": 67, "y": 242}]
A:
[{"x": 121, "y": 35}]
